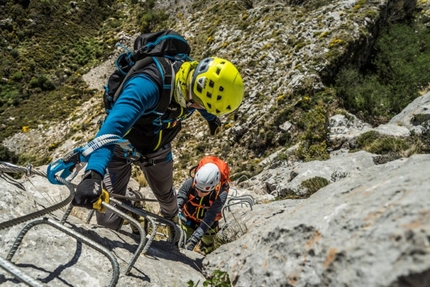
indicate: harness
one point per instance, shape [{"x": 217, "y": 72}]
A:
[
  {"x": 195, "y": 207},
  {"x": 160, "y": 127}
]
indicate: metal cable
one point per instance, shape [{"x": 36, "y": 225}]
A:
[{"x": 8, "y": 167}]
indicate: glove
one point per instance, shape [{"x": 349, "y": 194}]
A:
[
  {"x": 89, "y": 190},
  {"x": 191, "y": 243},
  {"x": 215, "y": 126}
]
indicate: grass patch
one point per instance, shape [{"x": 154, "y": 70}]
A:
[
  {"x": 314, "y": 184},
  {"x": 218, "y": 278},
  {"x": 380, "y": 144}
]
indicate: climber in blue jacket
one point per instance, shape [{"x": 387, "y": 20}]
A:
[{"x": 213, "y": 86}]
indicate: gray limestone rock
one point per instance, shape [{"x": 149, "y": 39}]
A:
[
  {"x": 371, "y": 229},
  {"x": 54, "y": 258}
]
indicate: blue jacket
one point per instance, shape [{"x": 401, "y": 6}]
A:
[{"x": 139, "y": 97}]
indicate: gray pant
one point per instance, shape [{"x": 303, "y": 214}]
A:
[{"x": 158, "y": 176}]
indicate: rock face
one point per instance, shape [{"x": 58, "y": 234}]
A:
[
  {"x": 284, "y": 50},
  {"x": 371, "y": 229},
  {"x": 370, "y": 226},
  {"x": 54, "y": 258}
]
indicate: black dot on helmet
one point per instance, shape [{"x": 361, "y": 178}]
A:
[
  {"x": 222, "y": 62},
  {"x": 218, "y": 111},
  {"x": 199, "y": 88},
  {"x": 218, "y": 98},
  {"x": 221, "y": 88},
  {"x": 228, "y": 107},
  {"x": 211, "y": 84},
  {"x": 209, "y": 105},
  {"x": 203, "y": 68},
  {"x": 209, "y": 95},
  {"x": 218, "y": 70}
]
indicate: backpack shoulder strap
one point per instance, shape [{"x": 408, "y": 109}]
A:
[
  {"x": 167, "y": 73},
  {"x": 165, "y": 67},
  {"x": 138, "y": 65}
]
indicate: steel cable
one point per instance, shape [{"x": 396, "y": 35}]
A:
[{"x": 8, "y": 167}]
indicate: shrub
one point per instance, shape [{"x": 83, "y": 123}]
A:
[
  {"x": 219, "y": 279},
  {"x": 367, "y": 138},
  {"x": 34, "y": 82},
  {"x": 17, "y": 76},
  {"x": 313, "y": 144},
  {"x": 7, "y": 155},
  {"x": 399, "y": 69},
  {"x": 381, "y": 144},
  {"x": 386, "y": 145},
  {"x": 14, "y": 53},
  {"x": 314, "y": 184}
]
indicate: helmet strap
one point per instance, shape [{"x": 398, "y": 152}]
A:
[
  {"x": 191, "y": 97},
  {"x": 181, "y": 83},
  {"x": 190, "y": 100}
]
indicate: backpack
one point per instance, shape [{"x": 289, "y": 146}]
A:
[
  {"x": 156, "y": 47},
  {"x": 222, "y": 166}
]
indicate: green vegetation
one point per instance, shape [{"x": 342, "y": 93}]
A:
[
  {"x": 7, "y": 156},
  {"x": 313, "y": 139},
  {"x": 399, "y": 69},
  {"x": 314, "y": 184},
  {"x": 45, "y": 47},
  {"x": 149, "y": 18},
  {"x": 381, "y": 144},
  {"x": 218, "y": 279}
]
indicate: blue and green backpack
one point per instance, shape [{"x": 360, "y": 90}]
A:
[{"x": 157, "y": 47}]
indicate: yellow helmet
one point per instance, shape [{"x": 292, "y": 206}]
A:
[{"x": 218, "y": 84}]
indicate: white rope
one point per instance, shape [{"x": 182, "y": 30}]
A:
[{"x": 100, "y": 141}]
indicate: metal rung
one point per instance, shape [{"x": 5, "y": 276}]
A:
[
  {"x": 153, "y": 219},
  {"x": 140, "y": 248},
  {"x": 242, "y": 199},
  {"x": 14, "y": 270},
  {"x": 79, "y": 237},
  {"x": 246, "y": 198},
  {"x": 139, "y": 227}
]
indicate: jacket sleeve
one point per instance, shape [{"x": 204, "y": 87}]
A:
[
  {"x": 210, "y": 215},
  {"x": 183, "y": 192},
  {"x": 139, "y": 97}
]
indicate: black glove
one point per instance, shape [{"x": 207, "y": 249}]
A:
[
  {"x": 191, "y": 243},
  {"x": 215, "y": 126},
  {"x": 89, "y": 190}
]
